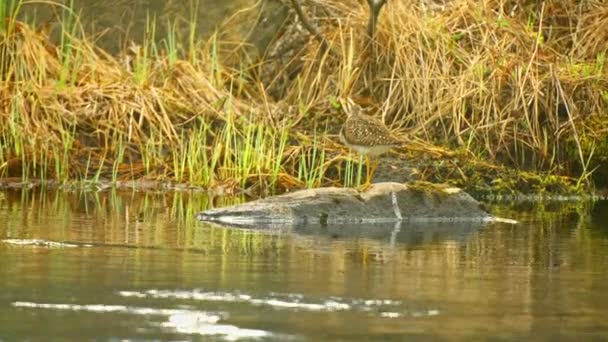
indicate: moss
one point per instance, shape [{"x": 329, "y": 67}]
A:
[
  {"x": 481, "y": 178},
  {"x": 427, "y": 190},
  {"x": 427, "y": 187}
]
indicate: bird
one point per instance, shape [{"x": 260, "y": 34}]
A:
[{"x": 367, "y": 135}]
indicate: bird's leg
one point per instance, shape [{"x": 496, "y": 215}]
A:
[
  {"x": 374, "y": 167},
  {"x": 368, "y": 168},
  {"x": 369, "y": 172}
]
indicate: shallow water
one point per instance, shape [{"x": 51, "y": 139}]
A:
[{"x": 132, "y": 266}]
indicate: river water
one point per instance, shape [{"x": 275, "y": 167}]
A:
[{"x": 138, "y": 267}]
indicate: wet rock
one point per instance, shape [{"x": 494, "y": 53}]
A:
[{"x": 381, "y": 203}]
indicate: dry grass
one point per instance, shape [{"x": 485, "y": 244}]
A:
[{"x": 524, "y": 86}]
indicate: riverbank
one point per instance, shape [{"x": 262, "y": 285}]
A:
[{"x": 494, "y": 100}]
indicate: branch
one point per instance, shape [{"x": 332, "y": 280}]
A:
[
  {"x": 374, "y": 11},
  {"x": 309, "y": 26}
]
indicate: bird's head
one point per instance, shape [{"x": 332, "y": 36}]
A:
[{"x": 349, "y": 106}]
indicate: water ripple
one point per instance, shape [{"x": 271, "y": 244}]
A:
[
  {"x": 178, "y": 320},
  {"x": 384, "y": 307},
  {"x": 42, "y": 243}
]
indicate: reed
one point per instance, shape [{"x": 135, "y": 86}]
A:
[{"x": 353, "y": 171}]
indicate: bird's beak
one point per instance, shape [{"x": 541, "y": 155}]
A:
[
  {"x": 342, "y": 103},
  {"x": 346, "y": 104}
]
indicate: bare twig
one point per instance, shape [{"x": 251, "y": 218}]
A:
[
  {"x": 309, "y": 26},
  {"x": 374, "y": 10}
]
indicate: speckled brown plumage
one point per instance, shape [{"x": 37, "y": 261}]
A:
[{"x": 366, "y": 134}]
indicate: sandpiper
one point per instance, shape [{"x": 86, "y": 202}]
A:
[{"x": 367, "y": 135}]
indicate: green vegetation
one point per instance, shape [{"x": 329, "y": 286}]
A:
[{"x": 501, "y": 89}]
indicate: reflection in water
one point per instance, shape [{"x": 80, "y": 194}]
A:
[
  {"x": 182, "y": 321},
  {"x": 101, "y": 260},
  {"x": 42, "y": 243},
  {"x": 403, "y": 233},
  {"x": 275, "y": 300}
]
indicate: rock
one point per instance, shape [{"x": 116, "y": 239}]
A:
[{"x": 381, "y": 203}]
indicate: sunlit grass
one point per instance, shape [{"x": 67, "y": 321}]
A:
[
  {"x": 353, "y": 172},
  {"x": 470, "y": 78},
  {"x": 311, "y": 166}
]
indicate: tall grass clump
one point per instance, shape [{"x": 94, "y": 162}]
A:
[
  {"x": 523, "y": 85},
  {"x": 71, "y": 111}
]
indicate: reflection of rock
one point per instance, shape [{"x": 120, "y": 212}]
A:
[
  {"x": 383, "y": 202},
  {"x": 403, "y": 233}
]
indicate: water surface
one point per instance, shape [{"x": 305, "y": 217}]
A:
[{"x": 137, "y": 266}]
